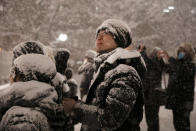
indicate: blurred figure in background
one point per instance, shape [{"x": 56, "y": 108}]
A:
[
  {"x": 72, "y": 83},
  {"x": 65, "y": 86},
  {"x": 152, "y": 81},
  {"x": 60, "y": 57},
  {"x": 142, "y": 49},
  {"x": 181, "y": 86},
  {"x": 86, "y": 69}
]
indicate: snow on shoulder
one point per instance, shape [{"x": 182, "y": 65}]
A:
[
  {"x": 35, "y": 67},
  {"x": 121, "y": 53}
]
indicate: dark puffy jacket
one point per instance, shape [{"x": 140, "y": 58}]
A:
[
  {"x": 115, "y": 98},
  {"x": 180, "y": 85},
  {"x": 20, "y": 118},
  {"x": 152, "y": 78}
]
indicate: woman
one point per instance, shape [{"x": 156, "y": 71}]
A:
[{"x": 181, "y": 86}]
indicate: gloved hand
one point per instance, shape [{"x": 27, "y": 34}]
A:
[{"x": 68, "y": 104}]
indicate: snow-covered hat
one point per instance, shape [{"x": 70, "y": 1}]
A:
[
  {"x": 120, "y": 31},
  {"x": 34, "y": 67},
  {"x": 61, "y": 56},
  {"x": 27, "y": 47}
]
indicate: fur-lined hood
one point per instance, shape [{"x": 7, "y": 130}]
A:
[{"x": 188, "y": 49}]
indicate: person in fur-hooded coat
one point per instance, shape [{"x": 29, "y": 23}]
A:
[{"x": 181, "y": 86}]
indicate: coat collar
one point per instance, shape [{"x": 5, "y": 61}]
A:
[{"x": 117, "y": 54}]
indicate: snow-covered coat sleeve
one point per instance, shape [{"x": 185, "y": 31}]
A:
[
  {"x": 110, "y": 112},
  {"x": 20, "y": 118}
]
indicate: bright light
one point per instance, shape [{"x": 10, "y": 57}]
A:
[
  {"x": 62, "y": 37},
  {"x": 1, "y": 49},
  {"x": 171, "y": 7},
  {"x": 193, "y": 11},
  {"x": 96, "y": 8},
  {"x": 166, "y": 10}
]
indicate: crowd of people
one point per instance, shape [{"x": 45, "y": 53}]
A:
[
  {"x": 179, "y": 92},
  {"x": 118, "y": 82}
]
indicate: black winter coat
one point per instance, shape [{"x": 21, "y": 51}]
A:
[
  {"x": 181, "y": 85},
  {"x": 152, "y": 78}
]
